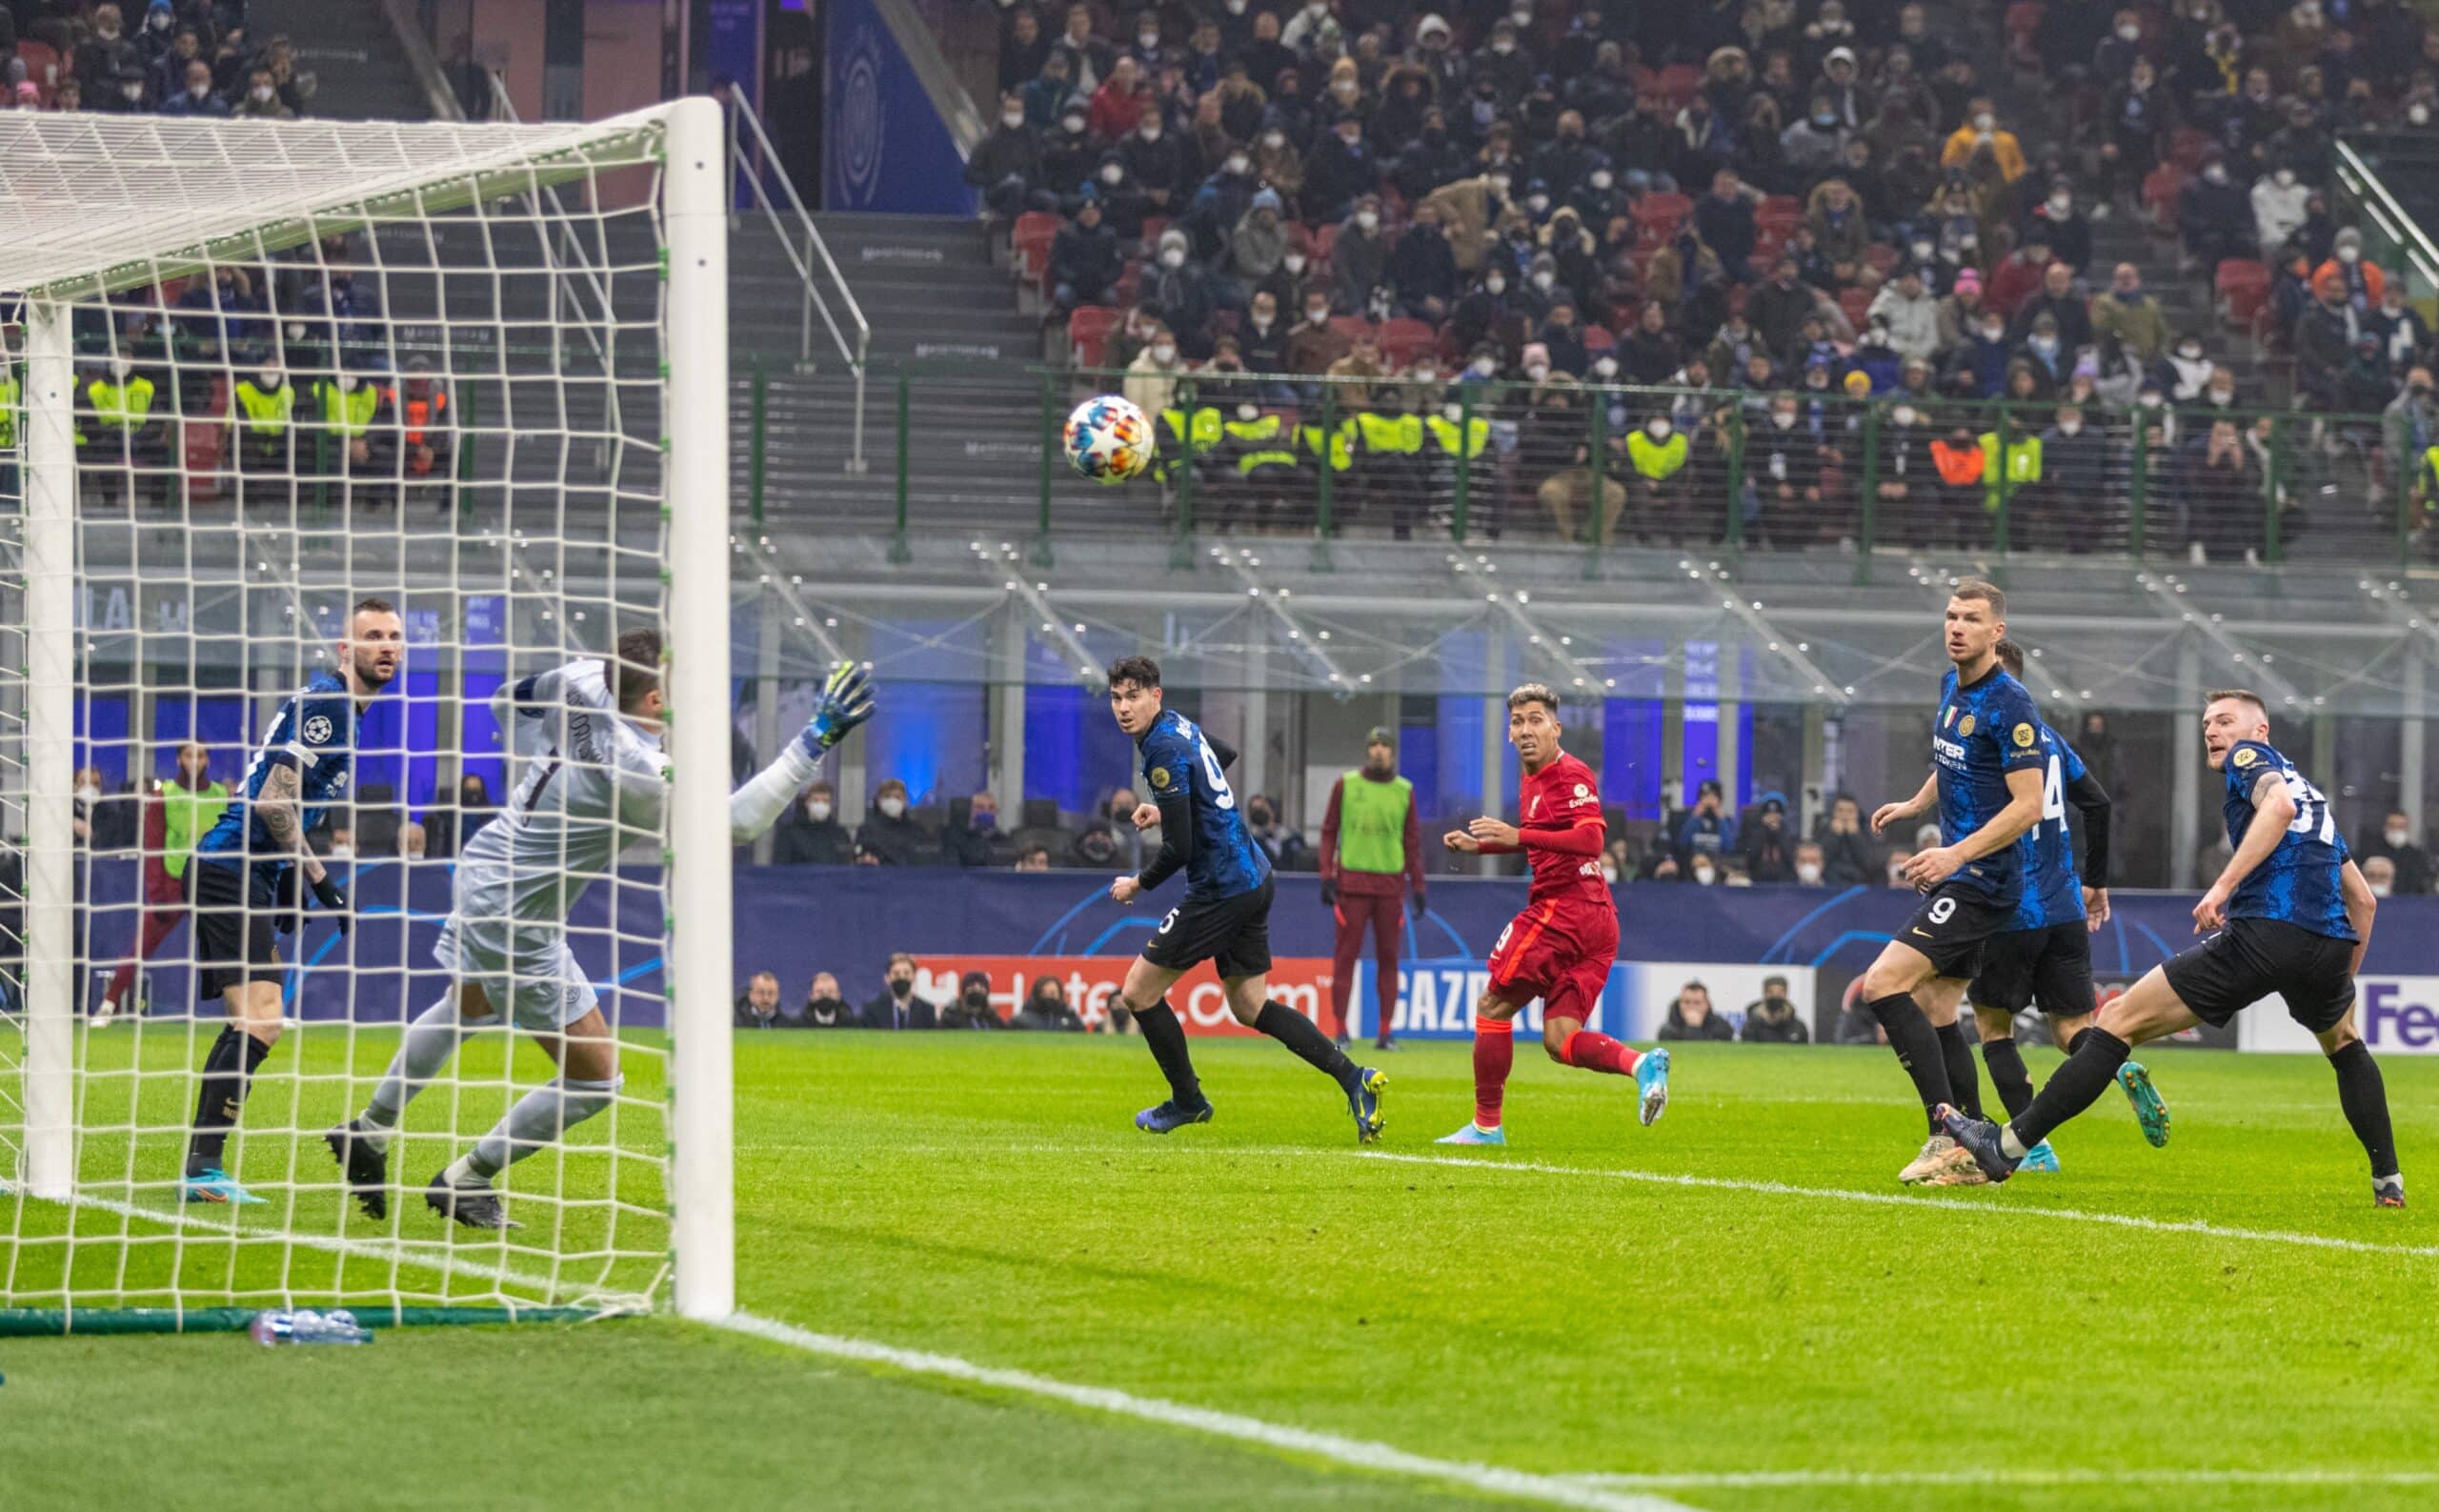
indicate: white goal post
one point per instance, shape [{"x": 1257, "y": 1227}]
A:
[{"x": 264, "y": 369}]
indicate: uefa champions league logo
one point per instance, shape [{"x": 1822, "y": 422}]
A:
[
  {"x": 317, "y": 729},
  {"x": 860, "y": 116}
]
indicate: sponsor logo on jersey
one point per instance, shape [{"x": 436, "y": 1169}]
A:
[
  {"x": 2247, "y": 756},
  {"x": 317, "y": 729},
  {"x": 1582, "y": 791},
  {"x": 2023, "y": 736},
  {"x": 1947, "y": 750}
]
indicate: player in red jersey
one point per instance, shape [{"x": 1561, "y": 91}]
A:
[{"x": 1561, "y": 947}]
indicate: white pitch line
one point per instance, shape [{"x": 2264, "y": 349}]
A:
[
  {"x": 1766, "y": 1480},
  {"x": 360, "y": 1249},
  {"x": 1720, "y": 1183},
  {"x": 1361, "y": 1453}
]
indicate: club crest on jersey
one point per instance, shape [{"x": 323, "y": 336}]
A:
[
  {"x": 2023, "y": 736},
  {"x": 317, "y": 729},
  {"x": 1582, "y": 791},
  {"x": 2247, "y": 756},
  {"x": 1964, "y": 726},
  {"x": 1159, "y": 776}
]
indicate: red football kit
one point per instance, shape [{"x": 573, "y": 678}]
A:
[{"x": 1560, "y": 948}]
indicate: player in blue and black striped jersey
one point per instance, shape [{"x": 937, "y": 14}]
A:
[
  {"x": 252, "y": 869},
  {"x": 1225, "y": 916},
  {"x": 2045, "y": 956},
  {"x": 1986, "y": 780},
  {"x": 2290, "y": 914}
]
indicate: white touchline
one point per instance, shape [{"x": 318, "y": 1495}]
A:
[
  {"x": 1763, "y": 1480},
  {"x": 1722, "y": 1183},
  {"x": 1550, "y": 1490}
]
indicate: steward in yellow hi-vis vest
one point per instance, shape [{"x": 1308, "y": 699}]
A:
[{"x": 1371, "y": 850}]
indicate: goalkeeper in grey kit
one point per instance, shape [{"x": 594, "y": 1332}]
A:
[{"x": 590, "y": 733}]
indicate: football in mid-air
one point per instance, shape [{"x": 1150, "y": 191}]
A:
[{"x": 1108, "y": 439}]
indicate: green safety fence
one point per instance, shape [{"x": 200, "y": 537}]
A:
[{"x": 1599, "y": 468}]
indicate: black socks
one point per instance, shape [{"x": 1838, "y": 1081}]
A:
[
  {"x": 228, "y": 1075},
  {"x": 2364, "y": 1097},
  {"x": 2075, "y": 1086},
  {"x": 1918, "y": 1048},
  {"x": 1964, "y": 1076},
  {"x": 1166, "y": 1038},
  {"x": 1305, "y": 1038},
  {"x": 2008, "y": 1074}
]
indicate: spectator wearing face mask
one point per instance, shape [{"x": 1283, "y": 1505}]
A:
[
  {"x": 2069, "y": 313},
  {"x": 1359, "y": 254},
  {"x": 2405, "y": 335},
  {"x": 1152, "y": 377},
  {"x": 971, "y": 1009},
  {"x": 1422, "y": 270},
  {"x": 1286, "y": 847},
  {"x": 977, "y": 841},
  {"x": 195, "y": 96},
  {"x": 1809, "y": 864},
  {"x": 1905, "y": 305},
  {"x": 2074, "y": 473},
  {"x": 1980, "y": 138},
  {"x": 2394, "y": 844},
  {"x": 1315, "y": 345},
  {"x": 896, "y": 1006},
  {"x": 2183, "y": 371},
  {"x": 1691, "y": 1017},
  {"x": 1847, "y": 858},
  {"x": 890, "y": 833},
  {"x": 823, "y": 1006},
  {"x": 2380, "y": 875},
  {"x": 1005, "y": 165},
  {"x": 1772, "y": 1020},
  {"x": 1045, "y": 1009},
  {"x": 1341, "y": 169},
  {"x": 2279, "y": 200},
  {"x": 1469, "y": 211},
  {"x": 809, "y": 832},
  {"x": 1724, "y": 220},
  {"x": 2364, "y": 282}
]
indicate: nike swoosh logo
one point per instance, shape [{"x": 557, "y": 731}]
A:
[{"x": 1925, "y": 933}]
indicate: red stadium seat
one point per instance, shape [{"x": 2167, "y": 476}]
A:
[
  {"x": 1353, "y": 328},
  {"x": 43, "y": 64},
  {"x": 1029, "y": 240},
  {"x": 1679, "y": 80},
  {"x": 1856, "y": 303},
  {"x": 2024, "y": 18},
  {"x": 1596, "y": 339},
  {"x": 1882, "y": 256},
  {"x": 1779, "y": 215},
  {"x": 1324, "y": 237},
  {"x": 1403, "y": 340},
  {"x": 2243, "y": 288},
  {"x": 2186, "y": 147},
  {"x": 1658, "y": 215},
  {"x": 1088, "y": 330},
  {"x": 203, "y": 442},
  {"x": 1153, "y": 226}
]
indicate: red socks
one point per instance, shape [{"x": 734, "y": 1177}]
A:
[
  {"x": 1494, "y": 1056},
  {"x": 1587, "y": 1051}
]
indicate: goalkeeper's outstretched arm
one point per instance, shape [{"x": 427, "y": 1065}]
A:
[{"x": 846, "y": 702}]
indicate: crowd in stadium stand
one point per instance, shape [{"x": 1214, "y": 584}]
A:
[
  {"x": 193, "y": 58},
  {"x": 1800, "y": 201}
]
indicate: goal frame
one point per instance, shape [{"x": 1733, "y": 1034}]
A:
[{"x": 696, "y": 943}]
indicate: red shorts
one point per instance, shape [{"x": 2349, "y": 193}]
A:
[{"x": 1558, "y": 954}]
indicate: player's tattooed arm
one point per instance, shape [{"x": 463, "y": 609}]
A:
[
  {"x": 280, "y": 807},
  {"x": 2273, "y": 808}
]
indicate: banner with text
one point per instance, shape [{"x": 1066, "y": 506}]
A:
[
  {"x": 2395, "y": 1014},
  {"x": 1093, "y": 982}
]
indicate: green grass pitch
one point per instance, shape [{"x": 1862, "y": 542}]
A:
[{"x": 2226, "y": 1323}]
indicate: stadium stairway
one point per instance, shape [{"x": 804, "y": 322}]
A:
[{"x": 360, "y": 73}]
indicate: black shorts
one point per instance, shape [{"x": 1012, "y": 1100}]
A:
[
  {"x": 1951, "y": 926},
  {"x": 239, "y": 913},
  {"x": 2254, "y": 958},
  {"x": 1231, "y": 933},
  {"x": 2051, "y": 966}
]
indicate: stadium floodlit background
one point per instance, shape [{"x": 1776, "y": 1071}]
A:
[{"x": 2199, "y": 450}]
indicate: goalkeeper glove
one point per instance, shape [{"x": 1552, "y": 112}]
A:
[
  {"x": 846, "y": 702},
  {"x": 333, "y": 897}
]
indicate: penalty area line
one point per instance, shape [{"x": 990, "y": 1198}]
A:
[
  {"x": 1360, "y": 1454},
  {"x": 1766, "y": 1480},
  {"x": 2072, "y": 1214}
]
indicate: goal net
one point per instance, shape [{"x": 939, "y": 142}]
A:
[{"x": 253, "y": 374}]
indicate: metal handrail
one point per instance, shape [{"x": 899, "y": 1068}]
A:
[
  {"x": 2390, "y": 215},
  {"x": 854, "y": 355}
]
